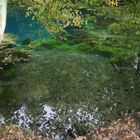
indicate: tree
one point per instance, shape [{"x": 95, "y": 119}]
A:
[
  {"x": 56, "y": 15},
  {"x": 3, "y": 11}
]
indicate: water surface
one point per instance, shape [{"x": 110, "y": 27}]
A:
[
  {"x": 24, "y": 27},
  {"x": 65, "y": 94}
]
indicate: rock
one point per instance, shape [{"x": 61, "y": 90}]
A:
[
  {"x": 10, "y": 55},
  {"x": 26, "y": 41},
  {"x": 8, "y": 41}
]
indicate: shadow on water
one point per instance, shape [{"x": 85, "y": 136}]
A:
[{"x": 65, "y": 94}]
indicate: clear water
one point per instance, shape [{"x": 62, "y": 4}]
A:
[
  {"x": 64, "y": 94},
  {"x": 24, "y": 27}
]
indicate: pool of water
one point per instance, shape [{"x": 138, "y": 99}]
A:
[
  {"x": 24, "y": 27},
  {"x": 65, "y": 94}
]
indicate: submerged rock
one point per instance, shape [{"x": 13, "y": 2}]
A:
[
  {"x": 10, "y": 55},
  {"x": 8, "y": 41},
  {"x": 27, "y": 41}
]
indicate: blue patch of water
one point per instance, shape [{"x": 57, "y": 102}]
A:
[{"x": 24, "y": 27}]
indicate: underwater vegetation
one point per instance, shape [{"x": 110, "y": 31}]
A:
[
  {"x": 95, "y": 45},
  {"x": 80, "y": 76}
]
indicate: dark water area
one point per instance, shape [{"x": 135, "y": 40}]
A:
[
  {"x": 65, "y": 94},
  {"x": 24, "y": 27}
]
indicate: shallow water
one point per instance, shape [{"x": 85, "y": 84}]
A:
[{"x": 64, "y": 94}]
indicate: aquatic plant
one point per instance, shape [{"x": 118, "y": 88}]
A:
[
  {"x": 26, "y": 41},
  {"x": 76, "y": 79},
  {"x": 10, "y": 74},
  {"x": 7, "y": 95}
]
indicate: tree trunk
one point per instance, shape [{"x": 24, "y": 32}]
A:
[{"x": 3, "y": 13}]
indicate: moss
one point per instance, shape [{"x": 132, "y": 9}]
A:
[
  {"x": 50, "y": 43},
  {"x": 115, "y": 28},
  {"x": 26, "y": 41},
  {"x": 117, "y": 47},
  {"x": 10, "y": 74},
  {"x": 7, "y": 94}
]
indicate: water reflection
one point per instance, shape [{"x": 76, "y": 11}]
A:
[
  {"x": 65, "y": 94},
  {"x": 24, "y": 27}
]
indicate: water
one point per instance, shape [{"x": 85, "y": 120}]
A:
[
  {"x": 65, "y": 94},
  {"x": 24, "y": 27}
]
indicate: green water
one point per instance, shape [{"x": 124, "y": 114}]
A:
[{"x": 63, "y": 94}]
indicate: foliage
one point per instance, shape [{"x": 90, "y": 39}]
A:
[
  {"x": 120, "y": 21},
  {"x": 56, "y": 16}
]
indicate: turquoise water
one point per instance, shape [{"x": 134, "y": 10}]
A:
[
  {"x": 24, "y": 27},
  {"x": 64, "y": 94}
]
